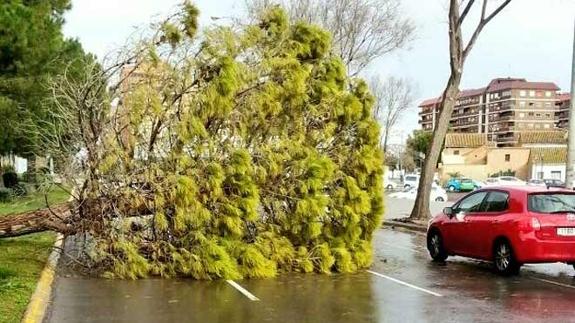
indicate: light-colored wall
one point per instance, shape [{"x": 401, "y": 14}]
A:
[
  {"x": 519, "y": 161},
  {"x": 547, "y": 169},
  {"x": 482, "y": 162},
  {"x": 468, "y": 156}
]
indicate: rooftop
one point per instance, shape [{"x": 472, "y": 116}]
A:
[
  {"x": 465, "y": 140},
  {"x": 548, "y": 155},
  {"x": 543, "y": 137}
]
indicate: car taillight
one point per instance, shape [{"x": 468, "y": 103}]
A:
[{"x": 535, "y": 224}]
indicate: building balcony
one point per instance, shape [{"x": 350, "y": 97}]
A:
[{"x": 424, "y": 112}]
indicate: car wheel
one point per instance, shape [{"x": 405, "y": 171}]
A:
[
  {"x": 389, "y": 187},
  {"x": 504, "y": 259},
  {"x": 439, "y": 199},
  {"x": 451, "y": 188},
  {"x": 435, "y": 246}
]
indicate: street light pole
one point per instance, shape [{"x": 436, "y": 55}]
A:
[{"x": 570, "y": 178}]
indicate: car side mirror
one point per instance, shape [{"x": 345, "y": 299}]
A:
[{"x": 448, "y": 211}]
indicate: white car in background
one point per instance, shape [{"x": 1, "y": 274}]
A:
[
  {"x": 438, "y": 194},
  {"x": 504, "y": 181},
  {"x": 410, "y": 181},
  {"x": 389, "y": 184}
]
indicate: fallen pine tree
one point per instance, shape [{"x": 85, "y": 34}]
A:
[{"x": 54, "y": 218}]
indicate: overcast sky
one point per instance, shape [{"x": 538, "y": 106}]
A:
[{"x": 530, "y": 39}]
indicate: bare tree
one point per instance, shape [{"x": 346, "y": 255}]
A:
[
  {"x": 458, "y": 52},
  {"x": 394, "y": 96},
  {"x": 362, "y": 30}
]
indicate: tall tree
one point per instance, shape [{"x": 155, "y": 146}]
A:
[
  {"x": 362, "y": 30},
  {"x": 32, "y": 51},
  {"x": 458, "y": 53},
  {"x": 393, "y": 98}
]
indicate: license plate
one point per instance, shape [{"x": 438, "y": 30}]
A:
[{"x": 566, "y": 232}]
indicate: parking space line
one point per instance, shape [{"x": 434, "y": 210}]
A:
[
  {"x": 242, "y": 290},
  {"x": 405, "y": 284},
  {"x": 553, "y": 282}
]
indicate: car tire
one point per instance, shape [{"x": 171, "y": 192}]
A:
[
  {"x": 389, "y": 187},
  {"x": 439, "y": 199},
  {"x": 451, "y": 188},
  {"x": 435, "y": 246},
  {"x": 504, "y": 259}
]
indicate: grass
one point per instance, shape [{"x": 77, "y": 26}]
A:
[
  {"x": 23, "y": 258},
  {"x": 33, "y": 201}
]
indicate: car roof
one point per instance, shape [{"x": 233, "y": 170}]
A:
[{"x": 527, "y": 189}]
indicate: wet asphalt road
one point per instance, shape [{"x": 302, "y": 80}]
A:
[{"x": 402, "y": 286}]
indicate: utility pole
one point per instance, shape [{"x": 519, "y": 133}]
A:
[{"x": 570, "y": 178}]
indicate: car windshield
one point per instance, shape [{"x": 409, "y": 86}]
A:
[
  {"x": 466, "y": 180},
  {"x": 551, "y": 203}
]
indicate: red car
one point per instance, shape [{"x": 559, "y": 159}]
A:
[{"x": 510, "y": 226}]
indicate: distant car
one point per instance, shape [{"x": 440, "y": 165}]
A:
[
  {"x": 536, "y": 182},
  {"x": 460, "y": 185},
  {"x": 437, "y": 194},
  {"x": 410, "y": 181},
  {"x": 478, "y": 184},
  {"x": 389, "y": 184},
  {"x": 554, "y": 183},
  {"x": 510, "y": 226},
  {"x": 504, "y": 181}
]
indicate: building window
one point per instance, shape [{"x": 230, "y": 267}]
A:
[
  {"x": 522, "y": 104},
  {"x": 556, "y": 174},
  {"x": 507, "y": 157},
  {"x": 538, "y": 114},
  {"x": 546, "y": 126},
  {"x": 456, "y": 152},
  {"x": 540, "y": 175},
  {"x": 530, "y": 125},
  {"x": 531, "y": 114},
  {"x": 548, "y": 115},
  {"x": 548, "y": 104},
  {"x": 521, "y": 115},
  {"x": 537, "y": 126},
  {"x": 548, "y": 94},
  {"x": 522, "y": 93},
  {"x": 531, "y": 93}
]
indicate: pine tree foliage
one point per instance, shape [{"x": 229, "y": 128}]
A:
[{"x": 250, "y": 149}]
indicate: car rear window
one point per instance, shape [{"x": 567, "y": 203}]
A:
[
  {"x": 410, "y": 178},
  {"x": 466, "y": 181},
  {"x": 551, "y": 203}
]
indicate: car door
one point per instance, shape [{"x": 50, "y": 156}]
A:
[
  {"x": 480, "y": 227},
  {"x": 455, "y": 232}
]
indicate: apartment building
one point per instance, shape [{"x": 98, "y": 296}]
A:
[
  {"x": 562, "y": 113},
  {"x": 500, "y": 110}
]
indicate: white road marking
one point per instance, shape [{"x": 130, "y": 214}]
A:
[
  {"x": 554, "y": 282},
  {"x": 405, "y": 284},
  {"x": 242, "y": 290}
]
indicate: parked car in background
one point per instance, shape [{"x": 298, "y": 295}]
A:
[
  {"x": 478, "y": 184},
  {"x": 460, "y": 185},
  {"x": 536, "y": 182},
  {"x": 411, "y": 181},
  {"x": 389, "y": 184},
  {"x": 554, "y": 183},
  {"x": 437, "y": 194},
  {"x": 510, "y": 226},
  {"x": 504, "y": 181}
]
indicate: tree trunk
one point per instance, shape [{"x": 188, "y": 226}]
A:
[
  {"x": 53, "y": 219},
  {"x": 421, "y": 208}
]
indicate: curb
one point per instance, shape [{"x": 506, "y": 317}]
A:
[
  {"x": 408, "y": 226},
  {"x": 38, "y": 304}
]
